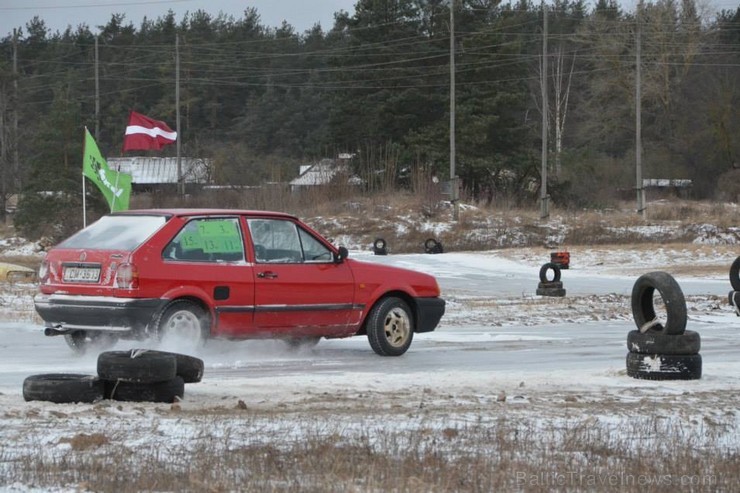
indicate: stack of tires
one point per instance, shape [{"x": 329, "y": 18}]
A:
[
  {"x": 380, "y": 247},
  {"x": 547, "y": 286},
  {"x": 433, "y": 246},
  {"x": 661, "y": 350},
  {"x": 136, "y": 375},
  {"x": 734, "y": 296}
]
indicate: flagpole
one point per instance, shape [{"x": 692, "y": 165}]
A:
[
  {"x": 84, "y": 201},
  {"x": 115, "y": 188},
  {"x": 180, "y": 181}
]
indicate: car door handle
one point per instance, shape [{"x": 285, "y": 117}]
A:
[{"x": 267, "y": 275}]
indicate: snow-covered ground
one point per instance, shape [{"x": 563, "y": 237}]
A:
[{"x": 499, "y": 349}]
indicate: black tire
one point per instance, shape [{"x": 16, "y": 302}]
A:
[
  {"x": 168, "y": 391},
  {"x": 63, "y": 388},
  {"x": 137, "y": 365},
  {"x": 379, "y": 250},
  {"x": 550, "y": 285},
  {"x": 184, "y": 319},
  {"x": 734, "y": 300},
  {"x": 735, "y": 274},
  {"x": 652, "y": 342},
  {"x": 664, "y": 367},
  {"x": 189, "y": 367},
  {"x": 553, "y": 292},
  {"x": 390, "y": 327},
  {"x": 433, "y": 246},
  {"x": 550, "y": 266},
  {"x": 80, "y": 341},
  {"x": 643, "y": 310}
]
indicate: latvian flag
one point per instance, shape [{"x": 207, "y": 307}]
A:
[{"x": 144, "y": 133}]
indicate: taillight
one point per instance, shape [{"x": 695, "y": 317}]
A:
[
  {"x": 44, "y": 271},
  {"x": 127, "y": 276}
]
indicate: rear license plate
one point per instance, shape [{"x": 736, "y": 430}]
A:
[{"x": 81, "y": 274}]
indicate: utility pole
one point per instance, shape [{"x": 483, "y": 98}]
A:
[
  {"x": 544, "y": 208},
  {"x": 180, "y": 182},
  {"x": 16, "y": 162},
  {"x": 97, "y": 93},
  {"x": 453, "y": 179},
  {"x": 638, "y": 119}
]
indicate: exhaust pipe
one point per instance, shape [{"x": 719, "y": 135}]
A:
[{"x": 57, "y": 330}]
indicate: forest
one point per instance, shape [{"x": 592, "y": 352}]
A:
[{"x": 262, "y": 100}]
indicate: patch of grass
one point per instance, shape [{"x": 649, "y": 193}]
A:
[
  {"x": 508, "y": 453},
  {"x": 84, "y": 441}
]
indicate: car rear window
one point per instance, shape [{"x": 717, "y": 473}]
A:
[{"x": 115, "y": 233}]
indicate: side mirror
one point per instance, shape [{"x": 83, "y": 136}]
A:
[{"x": 341, "y": 254}]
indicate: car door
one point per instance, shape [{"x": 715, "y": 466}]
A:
[
  {"x": 299, "y": 289},
  {"x": 206, "y": 259}
]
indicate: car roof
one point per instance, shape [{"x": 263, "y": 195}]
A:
[{"x": 202, "y": 212}]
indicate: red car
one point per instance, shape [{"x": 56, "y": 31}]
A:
[{"x": 202, "y": 273}]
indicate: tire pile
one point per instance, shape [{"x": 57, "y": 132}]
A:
[
  {"x": 433, "y": 246},
  {"x": 734, "y": 296},
  {"x": 547, "y": 286},
  {"x": 136, "y": 375},
  {"x": 661, "y": 351},
  {"x": 380, "y": 247}
]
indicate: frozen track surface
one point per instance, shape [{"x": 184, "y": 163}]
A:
[{"x": 473, "y": 356}]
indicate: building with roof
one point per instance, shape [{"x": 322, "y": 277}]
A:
[
  {"x": 323, "y": 173},
  {"x": 152, "y": 172}
]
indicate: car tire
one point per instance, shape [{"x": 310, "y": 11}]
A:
[
  {"x": 80, "y": 341},
  {"x": 652, "y": 342},
  {"x": 189, "y": 367},
  {"x": 183, "y": 320},
  {"x": 664, "y": 366},
  {"x": 167, "y": 392},
  {"x": 547, "y": 267},
  {"x": 137, "y": 365},
  {"x": 643, "y": 309},
  {"x": 735, "y": 274},
  {"x": 390, "y": 327},
  {"x": 63, "y": 388}
]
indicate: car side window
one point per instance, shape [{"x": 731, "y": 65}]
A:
[
  {"x": 207, "y": 240},
  {"x": 275, "y": 241},
  {"x": 313, "y": 249}
]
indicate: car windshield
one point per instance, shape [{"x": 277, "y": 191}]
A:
[{"x": 115, "y": 233}]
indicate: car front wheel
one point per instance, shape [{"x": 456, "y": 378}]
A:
[
  {"x": 390, "y": 327},
  {"x": 183, "y": 323}
]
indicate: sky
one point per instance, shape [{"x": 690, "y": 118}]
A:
[{"x": 58, "y": 14}]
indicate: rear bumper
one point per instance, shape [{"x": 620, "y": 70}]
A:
[
  {"x": 67, "y": 312},
  {"x": 429, "y": 311}
]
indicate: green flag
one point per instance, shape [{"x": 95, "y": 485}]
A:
[{"x": 116, "y": 187}]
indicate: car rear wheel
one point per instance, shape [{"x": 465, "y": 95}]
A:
[
  {"x": 183, "y": 323},
  {"x": 80, "y": 341},
  {"x": 390, "y": 327}
]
